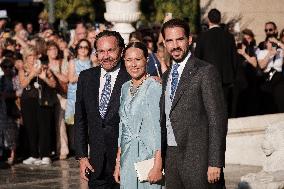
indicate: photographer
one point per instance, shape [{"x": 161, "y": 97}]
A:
[
  {"x": 247, "y": 47},
  {"x": 37, "y": 102},
  {"x": 271, "y": 61}
]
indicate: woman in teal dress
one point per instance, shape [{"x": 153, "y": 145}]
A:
[
  {"x": 80, "y": 63},
  {"x": 139, "y": 130}
]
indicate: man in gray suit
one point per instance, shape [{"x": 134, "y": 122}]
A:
[{"x": 193, "y": 116}]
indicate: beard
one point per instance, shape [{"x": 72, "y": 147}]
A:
[
  {"x": 184, "y": 54},
  {"x": 112, "y": 61}
]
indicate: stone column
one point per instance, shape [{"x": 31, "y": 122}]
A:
[{"x": 122, "y": 13}]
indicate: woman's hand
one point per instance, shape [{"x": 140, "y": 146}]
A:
[
  {"x": 54, "y": 68},
  {"x": 272, "y": 52},
  {"x": 155, "y": 175},
  {"x": 47, "y": 77},
  {"x": 273, "y": 40},
  {"x": 34, "y": 71},
  {"x": 19, "y": 65},
  {"x": 116, "y": 173},
  {"x": 242, "y": 51},
  {"x": 43, "y": 74}
]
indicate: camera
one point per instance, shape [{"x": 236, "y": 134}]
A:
[{"x": 239, "y": 45}]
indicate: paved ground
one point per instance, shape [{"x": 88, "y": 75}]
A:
[{"x": 65, "y": 175}]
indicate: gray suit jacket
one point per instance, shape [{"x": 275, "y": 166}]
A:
[{"x": 198, "y": 117}]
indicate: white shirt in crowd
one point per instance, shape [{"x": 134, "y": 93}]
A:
[{"x": 275, "y": 63}]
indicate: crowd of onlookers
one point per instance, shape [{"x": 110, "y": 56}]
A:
[
  {"x": 40, "y": 69},
  {"x": 259, "y": 78}
]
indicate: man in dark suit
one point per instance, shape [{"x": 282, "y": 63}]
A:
[
  {"x": 218, "y": 47},
  {"x": 193, "y": 116},
  {"x": 96, "y": 115}
]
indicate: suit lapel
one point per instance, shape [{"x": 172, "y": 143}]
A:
[
  {"x": 93, "y": 88},
  {"x": 186, "y": 76}
]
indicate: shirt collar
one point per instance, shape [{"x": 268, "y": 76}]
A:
[
  {"x": 214, "y": 26},
  {"x": 185, "y": 59},
  {"x": 116, "y": 69}
]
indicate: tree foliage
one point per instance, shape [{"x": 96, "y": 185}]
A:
[
  {"x": 65, "y": 8},
  {"x": 154, "y": 10}
]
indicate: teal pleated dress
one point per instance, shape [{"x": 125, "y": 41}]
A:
[{"x": 139, "y": 130}]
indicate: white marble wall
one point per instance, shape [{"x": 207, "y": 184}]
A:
[{"x": 254, "y": 13}]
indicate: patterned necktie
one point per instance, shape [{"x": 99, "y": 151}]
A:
[
  {"x": 105, "y": 96},
  {"x": 174, "y": 82}
]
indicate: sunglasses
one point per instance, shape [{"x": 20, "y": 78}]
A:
[
  {"x": 83, "y": 47},
  {"x": 270, "y": 30}
]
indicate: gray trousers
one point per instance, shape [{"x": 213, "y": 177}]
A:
[{"x": 179, "y": 177}]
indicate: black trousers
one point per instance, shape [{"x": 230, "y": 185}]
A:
[
  {"x": 38, "y": 121},
  {"x": 274, "y": 92},
  {"x": 176, "y": 178},
  {"x": 105, "y": 180},
  {"x": 230, "y": 100}
]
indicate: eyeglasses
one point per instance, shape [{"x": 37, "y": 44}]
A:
[
  {"x": 270, "y": 30},
  {"x": 83, "y": 47}
]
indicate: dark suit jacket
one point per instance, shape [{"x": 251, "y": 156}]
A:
[
  {"x": 199, "y": 120},
  {"x": 102, "y": 135},
  {"x": 218, "y": 47}
]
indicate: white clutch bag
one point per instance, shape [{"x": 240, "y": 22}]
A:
[{"x": 143, "y": 168}]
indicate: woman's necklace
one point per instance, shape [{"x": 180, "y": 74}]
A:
[{"x": 134, "y": 89}]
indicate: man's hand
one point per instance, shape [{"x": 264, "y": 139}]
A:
[
  {"x": 84, "y": 164},
  {"x": 213, "y": 174}
]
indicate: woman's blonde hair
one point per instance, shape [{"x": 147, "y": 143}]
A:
[{"x": 28, "y": 50}]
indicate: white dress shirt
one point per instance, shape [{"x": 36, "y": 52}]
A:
[{"x": 113, "y": 74}]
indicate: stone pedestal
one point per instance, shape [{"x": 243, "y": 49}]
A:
[
  {"x": 272, "y": 175},
  {"x": 245, "y": 136},
  {"x": 122, "y": 13}
]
